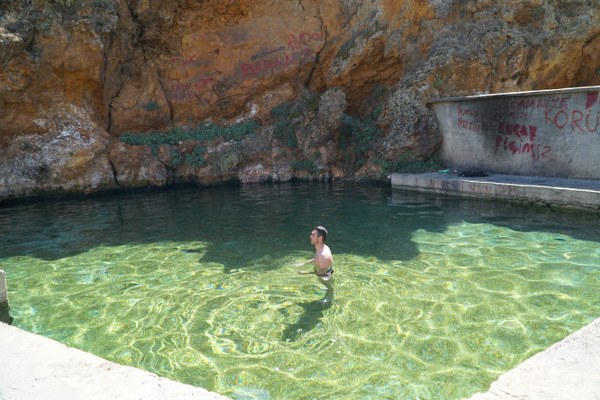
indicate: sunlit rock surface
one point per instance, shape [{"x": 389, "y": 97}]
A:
[{"x": 339, "y": 88}]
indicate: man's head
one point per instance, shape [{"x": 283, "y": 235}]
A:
[{"x": 318, "y": 232}]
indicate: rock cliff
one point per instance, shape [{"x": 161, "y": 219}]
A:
[{"x": 101, "y": 94}]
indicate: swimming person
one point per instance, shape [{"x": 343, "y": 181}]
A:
[{"x": 323, "y": 260}]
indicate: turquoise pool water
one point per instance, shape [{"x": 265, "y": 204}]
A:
[{"x": 435, "y": 297}]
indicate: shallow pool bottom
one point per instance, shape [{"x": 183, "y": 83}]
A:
[{"x": 430, "y": 301}]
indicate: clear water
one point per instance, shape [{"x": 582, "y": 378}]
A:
[{"x": 435, "y": 297}]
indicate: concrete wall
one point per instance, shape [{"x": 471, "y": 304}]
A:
[
  {"x": 553, "y": 133},
  {"x": 4, "y": 309},
  {"x": 3, "y": 289}
]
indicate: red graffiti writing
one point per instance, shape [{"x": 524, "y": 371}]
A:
[
  {"x": 469, "y": 125},
  {"x": 204, "y": 83},
  {"x": 537, "y": 151},
  {"x": 468, "y": 112},
  {"x": 184, "y": 60},
  {"x": 562, "y": 113},
  {"x": 181, "y": 92},
  {"x": 555, "y": 102},
  {"x": 523, "y": 142},
  {"x": 576, "y": 120},
  {"x": 272, "y": 65},
  {"x": 191, "y": 91},
  {"x": 518, "y": 130},
  {"x": 591, "y": 99},
  {"x": 303, "y": 39}
]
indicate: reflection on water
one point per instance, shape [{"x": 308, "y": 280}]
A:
[{"x": 435, "y": 297}]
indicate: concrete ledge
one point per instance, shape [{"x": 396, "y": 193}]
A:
[
  {"x": 528, "y": 93},
  {"x": 557, "y": 192},
  {"x": 34, "y": 367},
  {"x": 568, "y": 370},
  {"x": 3, "y": 290}
]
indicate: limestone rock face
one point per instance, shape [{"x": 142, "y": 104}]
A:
[
  {"x": 317, "y": 75},
  {"x": 136, "y": 166},
  {"x": 66, "y": 153}
]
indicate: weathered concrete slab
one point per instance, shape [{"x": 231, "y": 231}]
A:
[
  {"x": 3, "y": 289},
  {"x": 556, "y": 192},
  {"x": 4, "y": 308},
  {"x": 568, "y": 370},
  {"x": 541, "y": 133},
  {"x": 33, "y": 367}
]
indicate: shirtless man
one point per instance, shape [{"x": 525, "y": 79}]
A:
[{"x": 323, "y": 260}]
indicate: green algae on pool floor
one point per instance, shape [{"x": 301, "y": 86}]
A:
[{"x": 435, "y": 297}]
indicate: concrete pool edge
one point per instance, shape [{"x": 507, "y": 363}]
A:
[
  {"x": 569, "y": 369},
  {"x": 34, "y": 367},
  {"x": 555, "y": 192}
]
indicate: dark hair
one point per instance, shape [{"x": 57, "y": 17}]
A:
[{"x": 321, "y": 231}]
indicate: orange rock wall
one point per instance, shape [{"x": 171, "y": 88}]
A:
[{"x": 78, "y": 74}]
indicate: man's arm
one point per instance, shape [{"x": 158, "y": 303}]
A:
[{"x": 303, "y": 264}]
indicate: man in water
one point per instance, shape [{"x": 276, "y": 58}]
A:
[{"x": 323, "y": 260}]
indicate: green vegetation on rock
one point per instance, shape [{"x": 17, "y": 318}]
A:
[
  {"x": 289, "y": 117},
  {"x": 225, "y": 161},
  {"x": 358, "y": 137},
  {"x": 204, "y": 133},
  {"x": 305, "y": 165},
  {"x": 196, "y": 157},
  {"x": 408, "y": 164}
]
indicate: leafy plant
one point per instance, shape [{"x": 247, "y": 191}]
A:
[
  {"x": 196, "y": 157},
  {"x": 290, "y": 115},
  {"x": 227, "y": 161},
  {"x": 358, "y": 136},
  {"x": 408, "y": 164},
  {"x": 305, "y": 165},
  {"x": 438, "y": 82},
  {"x": 379, "y": 91},
  {"x": 376, "y": 97},
  {"x": 284, "y": 128},
  {"x": 204, "y": 133},
  {"x": 66, "y": 8},
  {"x": 175, "y": 158},
  {"x": 282, "y": 110}
]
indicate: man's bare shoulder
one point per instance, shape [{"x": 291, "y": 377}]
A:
[{"x": 324, "y": 258}]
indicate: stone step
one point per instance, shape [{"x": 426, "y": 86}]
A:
[{"x": 554, "y": 192}]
